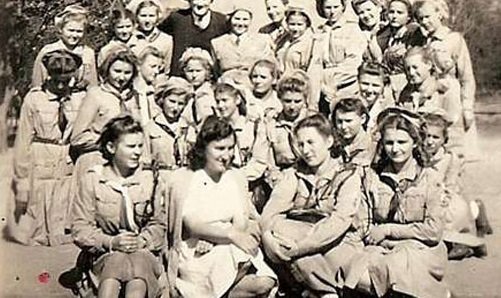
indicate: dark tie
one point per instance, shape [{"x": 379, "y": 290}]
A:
[{"x": 62, "y": 121}]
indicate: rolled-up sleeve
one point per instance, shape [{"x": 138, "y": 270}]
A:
[{"x": 83, "y": 135}]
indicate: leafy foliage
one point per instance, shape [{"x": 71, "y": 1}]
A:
[{"x": 29, "y": 26}]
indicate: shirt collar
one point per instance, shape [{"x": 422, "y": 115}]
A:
[
  {"x": 361, "y": 142},
  {"x": 428, "y": 87},
  {"x": 150, "y": 37},
  {"x": 124, "y": 95},
  {"x": 107, "y": 176},
  {"x": 281, "y": 121},
  {"x": 142, "y": 87},
  {"x": 238, "y": 123},
  {"x": 441, "y": 33},
  {"x": 326, "y": 171},
  {"x": 203, "y": 22},
  {"x": 409, "y": 172},
  {"x": 77, "y": 50}
]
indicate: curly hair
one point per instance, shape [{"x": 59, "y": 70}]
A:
[
  {"x": 296, "y": 82},
  {"x": 114, "y": 129},
  {"x": 213, "y": 129}
]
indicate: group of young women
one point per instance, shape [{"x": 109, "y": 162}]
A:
[{"x": 295, "y": 162}]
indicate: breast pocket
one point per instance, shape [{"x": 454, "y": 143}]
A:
[
  {"x": 415, "y": 207},
  {"x": 47, "y": 118},
  {"x": 107, "y": 207}
]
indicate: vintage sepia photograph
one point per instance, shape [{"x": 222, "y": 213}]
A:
[{"x": 250, "y": 148}]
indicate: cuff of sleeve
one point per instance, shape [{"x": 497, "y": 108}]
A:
[{"x": 103, "y": 241}]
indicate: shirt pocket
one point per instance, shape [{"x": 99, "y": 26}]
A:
[
  {"x": 415, "y": 207},
  {"x": 107, "y": 206},
  {"x": 47, "y": 119}
]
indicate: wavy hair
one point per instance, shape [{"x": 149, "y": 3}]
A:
[{"x": 213, "y": 129}]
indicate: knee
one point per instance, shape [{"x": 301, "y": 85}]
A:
[{"x": 263, "y": 285}]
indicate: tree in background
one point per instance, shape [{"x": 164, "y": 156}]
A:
[{"x": 27, "y": 25}]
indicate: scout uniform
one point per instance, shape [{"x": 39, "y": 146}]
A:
[
  {"x": 444, "y": 94},
  {"x": 341, "y": 47},
  {"x": 42, "y": 165},
  {"x": 414, "y": 260},
  {"x": 161, "y": 41},
  {"x": 323, "y": 214},
  {"x": 105, "y": 207},
  {"x": 87, "y": 73}
]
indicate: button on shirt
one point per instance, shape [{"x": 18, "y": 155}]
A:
[{"x": 240, "y": 52}]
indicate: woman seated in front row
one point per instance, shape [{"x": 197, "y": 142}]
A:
[
  {"x": 313, "y": 222},
  {"x": 213, "y": 243},
  {"x": 118, "y": 215},
  {"x": 405, "y": 255}
]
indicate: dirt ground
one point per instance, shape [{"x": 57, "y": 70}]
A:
[{"x": 22, "y": 268}]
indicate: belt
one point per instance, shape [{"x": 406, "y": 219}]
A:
[
  {"x": 149, "y": 167},
  {"x": 344, "y": 85},
  {"x": 48, "y": 141}
]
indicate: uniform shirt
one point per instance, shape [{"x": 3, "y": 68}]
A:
[
  {"x": 359, "y": 152},
  {"x": 241, "y": 52},
  {"x": 381, "y": 104},
  {"x": 333, "y": 192},
  {"x": 456, "y": 45},
  {"x": 101, "y": 104},
  {"x": 433, "y": 93},
  {"x": 409, "y": 204},
  {"x": 167, "y": 143},
  {"x": 279, "y": 135},
  {"x": 250, "y": 151},
  {"x": 449, "y": 168},
  {"x": 39, "y": 122},
  {"x": 180, "y": 25},
  {"x": 257, "y": 108},
  {"x": 200, "y": 106},
  {"x": 87, "y": 73},
  {"x": 161, "y": 41},
  {"x": 146, "y": 100},
  {"x": 276, "y": 31},
  {"x": 296, "y": 54},
  {"x": 100, "y": 208},
  {"x": 342, "y": 46}
]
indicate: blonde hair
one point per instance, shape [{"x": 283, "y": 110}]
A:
[
  {"x": 440, "y": 6},
  {"x": 71, "y": 13}
]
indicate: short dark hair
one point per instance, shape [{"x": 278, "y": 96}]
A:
[
  {"x": 317, "y": 121},
  {"x": 374, "y": 69},
  {"x": 122, "y": 54},
  {"x": 350, "y": 104},
  {"x": 213, "y": 129},
  {"x": 116, "y": 127},
  {"x": 320, "y": 7}
]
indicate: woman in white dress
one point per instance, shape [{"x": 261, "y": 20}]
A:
[{"x": 214, "y": 242}]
